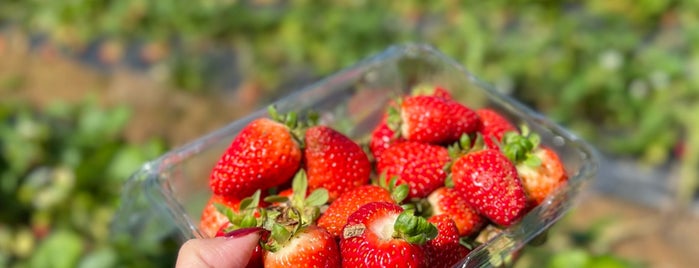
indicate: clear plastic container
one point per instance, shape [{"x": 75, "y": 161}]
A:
[{"x": 171, "y": 191}]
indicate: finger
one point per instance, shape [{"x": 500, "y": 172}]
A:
[{"x": 220, "y": 252}]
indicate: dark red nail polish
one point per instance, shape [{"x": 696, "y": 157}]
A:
[{"x": 243, "y": 232}]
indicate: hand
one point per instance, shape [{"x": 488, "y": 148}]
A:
[{"x": 233, "y": 250}]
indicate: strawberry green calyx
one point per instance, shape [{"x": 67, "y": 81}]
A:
[
  {"x": 393, "y": 119},
  {"x": 297, "y": 127},
  {"x": 398, "y": 191},
  {"x": 248, "y": 214},
  {"x": 519, "y": 147},
  {"x": 464, "y": 145},
  {"x": 298, "y": 212},
  {"x": 414, "y": 229}
]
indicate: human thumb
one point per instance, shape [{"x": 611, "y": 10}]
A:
[{"x": 219, "y": 252}]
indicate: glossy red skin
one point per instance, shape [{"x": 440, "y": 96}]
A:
[
  {"x": 370, "y": 250},
  {"x": 263, "y": 155},
  {"x": 312, "y": 247},
  {"x": 540, "y": 182},
  {"x": 334, "y": 162},
  {"x": 211, "y": 221},
  {"x": 335, "y": 217},
  {"x": 436, "y": 120},
  {"x": 491, "y": 185},
  {"x": 494, "y": 126},
  {"x": 420, "y": 165},
  {"x": 452, "y": 203},
  {"x": 381, "y": 138},
  {"x": 444, "y": 250}
]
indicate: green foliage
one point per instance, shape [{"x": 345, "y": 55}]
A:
[
  {"x": 608, "y": 69},
  {"x": 62, "y": 169},
  {"x": 575, "y": 248}
]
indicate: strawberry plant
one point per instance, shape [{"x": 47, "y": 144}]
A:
[{"x": 61, "y": 171}]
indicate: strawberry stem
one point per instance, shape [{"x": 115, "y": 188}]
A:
[
  {"x": 414, "y": 229},
  {"x": 519, "y": 147}
]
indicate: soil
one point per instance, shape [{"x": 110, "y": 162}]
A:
[{"x": 44, "y": 75}]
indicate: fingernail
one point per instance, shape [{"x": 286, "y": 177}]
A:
[{"x": 242, "y": 232}]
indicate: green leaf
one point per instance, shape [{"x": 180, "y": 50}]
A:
[
  {"x": 415, "y": 229},
  {"x": 400, "y": 193},
  {"x": 232, "y": 216},
  {"x": 317, "y": 198},
  {"x": 248, "y": 220},
  {"x": 299, "y": 185},
  {"x": 104, "y": 257},
  {"x": 276, "y": 199},
  {"x": 280, "y": 234},
  {"x": 61, "y": 249},
  {"x": 251, "y": 202}
]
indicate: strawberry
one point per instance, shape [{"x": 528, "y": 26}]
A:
[
  {"x": 381, "y": 234},
  {"x": 494, "y": 126},
  {"x": 310, "y": 246},
  {"x": 244, "y": 214},
  {"x": 541, "y": 180},
  {"x": 381, "y": 138},
  {"x": 539, "y": 168},
  {"x": 263, "y": 155},
  {"x": 432, "y": 119},
  {"x": 420, "y": 165},
  {"x": 334, "y": 161},
  {"x": 491, "y": 185},
  {"x": 449, "y": 201},
  {"x": 444, "y": 250},
  {"x": 295, "y": 240},
  {"x": 211, "y": 219},
  {"x": 335, "y": 217}
]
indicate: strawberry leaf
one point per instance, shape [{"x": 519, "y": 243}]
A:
[
  {"x": 276, "y": 199},
  {"x": 400, "y": 193},
  {"x": 317, "y": 198},
  {"x": 226, "y": 211},
  {"x": 393, "y": 120},
  {"x": 248, "y": 221},
  {"x": 532, "y": 161},
  {"x": 414, "y": 229},
  {"x": 280, "y": 234},
  {"x": 250, "y": 202},
  {"x": 299, "y": 185}
]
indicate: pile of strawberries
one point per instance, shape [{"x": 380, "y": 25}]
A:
[{"x": 418, "y": 193}]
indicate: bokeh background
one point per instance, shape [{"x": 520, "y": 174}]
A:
[{"x": 91, "y": 89}]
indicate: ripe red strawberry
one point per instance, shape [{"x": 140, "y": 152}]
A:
[
  {"x": 491, "y": 185},
  {"x": 212, "y": 220},
  {"x": 381, "y": 234},
  {"x": 334, "y": 162},
  {"x": 263, "y": 155},
  {"x": 294, "y": 240},
  {"x": 381, "y": 138},
  {"x": 494, "y": 126},
  {"x": 311, "y": 246},
  {"x": 434, "y": 120},
  {"x": 335, "y": 217},
  {"x": 445, "y": 249},
  {"x": 541, "y": 180},
  {"x": 450, "y": 202},
  {"x": 420, "y": 165}
]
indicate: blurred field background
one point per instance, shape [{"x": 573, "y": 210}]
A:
[{"x": 91, "y": 89}]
